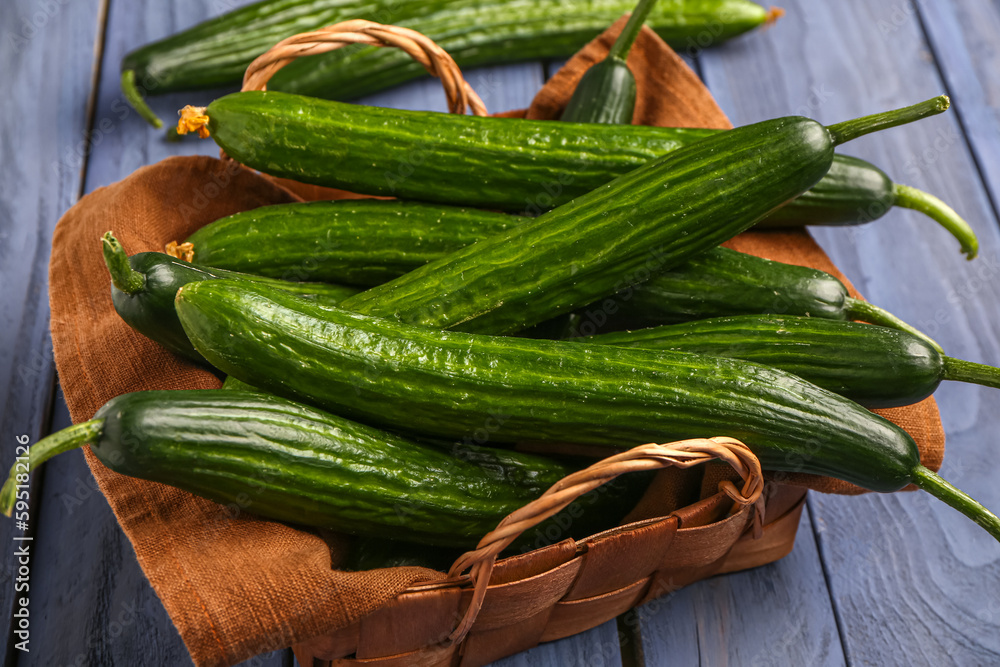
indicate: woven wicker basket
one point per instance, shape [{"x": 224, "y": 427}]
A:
[
  {"x": 566, "y": 588},
  {"x": 562, "y": 589}
]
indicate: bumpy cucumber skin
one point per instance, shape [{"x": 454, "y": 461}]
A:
[
  {"x": 453, "y": 384},
  {"x": 218, "y": 51},
  {"x": 351, "y": 242},
  {"x": 605, "y": 94},
  {"x": 726, "y": 282},
  {"x": 498, "y": 163},
  {"x": 659, "y": 215},
  {"x": 151, "y": 312},
  {"x": 852, "y": 192},
  {"x": 428, "y": 156},
  {"x": 479, "y": 32},
  {"x": 294, "y": 463},
  {"x": 876, "y": 366}
]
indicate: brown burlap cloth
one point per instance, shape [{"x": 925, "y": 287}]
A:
[{"x": 235, "y": 585}]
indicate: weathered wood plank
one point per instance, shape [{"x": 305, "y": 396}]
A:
[
  {"x": 46, "y": 55},
  {"x": 597, "y": 647},
  {"x": 963, "y": 37},
  {"x": 776, "y": 614},
  {"x": 912, "y": 581}
]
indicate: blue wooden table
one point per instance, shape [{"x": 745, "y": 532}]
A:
[{"x": 875, "y": 580}]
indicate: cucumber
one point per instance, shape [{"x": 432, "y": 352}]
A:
[
  {"x": 351, "y": 241},
  {"x": 875, "y": 366},
  {"x": 362, "y": 241},
  {"x": 855, "y": 192},
  {"x": 217, "y": 52},
  {"x": 143, "y": 287},
  {"x": 291, "y": 462},
  {"x": 501, "y": 163},
  {"x": 451, "y": 384},
  {"x": 664, "y": 213},
  {"x": 479, "y": 32},
  {"x": 723, "y": 282},
  {"x": 606, "y": 92}
]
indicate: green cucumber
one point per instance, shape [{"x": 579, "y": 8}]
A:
[
  {"x": 606, "y": 91},
  {"x": 722, "y": 282},
  {"x": 475, "y": 32},
  {"x": 497, "y": 163},
  {"x": 291, "y": 462},
  {"x": 875, "y": 366},
  {"x": 351, "y": 241},
  {"x": 480, "y": 32},
  {"x": 596, "y": 511},
  {"x": 217, "y": 52},
  {"x": 143, "y": 287},
  {"x": 665, "y": 212},
  {"x": 856, "y": 192},
  {"x": 452, "y": 384}
]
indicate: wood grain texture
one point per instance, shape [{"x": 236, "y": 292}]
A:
[
  {"x": 46, "y": 55},
  {"x": 777, "y": 614},
  {"x": 962, "y": 35},
  {"x": 598, "y": 647},
  {"x": 911, "y": 581}
]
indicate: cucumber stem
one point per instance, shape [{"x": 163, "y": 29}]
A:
[
  {"x": 123, "y": 275},
  {"x": 627, "y": 37},
  {"x": 134, "y": 97},
  {"x": 858, "y": 127},
  {"x": 69, "y": 438},
  {"x": 938, "y": 487},
  {"x": 859, "y": 309},
  {"x": 944, "y": 215},
  {"x": 969, "y": 371}
]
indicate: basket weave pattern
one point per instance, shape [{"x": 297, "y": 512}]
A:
[{"x": 565, "y": 588}]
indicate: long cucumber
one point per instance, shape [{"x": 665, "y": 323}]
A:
[
  {"x": 722, "y": 282},
  {"x": 217, "y": 52},
  {"x": 351, "y": 241},
  {"x": 446, "y": 383},
  {"x": 875, "y": 366},
  {"x": 143, "y": 287},
  {"x": 291, "y": 462}
]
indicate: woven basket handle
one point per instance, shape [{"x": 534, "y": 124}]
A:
[
  {"x": 422, "y": 49},
  {"x": 681, "y": 454},
  {"x": 435, "y": 60}
]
